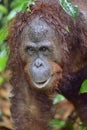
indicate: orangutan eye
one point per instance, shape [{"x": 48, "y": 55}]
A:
[
  {"x": 29, "y": 50},
  {"x": 44, "y": 49}
]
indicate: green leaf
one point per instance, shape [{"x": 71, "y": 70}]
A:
[
  {"x": 11, "y": 15},
  {"x": 18, "y": 6},
  {"x": 57, "y": 123},
  {"x": 70, "y": 125},
  {"x": 3, "y": 9},
  {"x": 22, "y": 5},
  {"x": 1, "y": 80},
  {"x": 83, "y": 88},
  {"x": 69, "y": 8},
  {"x": 4, "y": 53},
  {"x": 4, "y": 34},
  {"x": 58, "y": 99},
  {"x": 83, "y": 127}
]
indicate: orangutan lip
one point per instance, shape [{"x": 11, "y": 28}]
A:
[
  {"x": 39, "y": 83},
  {"x": 42, "y": 84}
]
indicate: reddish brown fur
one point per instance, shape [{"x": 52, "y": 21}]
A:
[{"x": 35, "y": 112}]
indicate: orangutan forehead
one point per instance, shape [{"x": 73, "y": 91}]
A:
[{"x": 38, "y": 30}]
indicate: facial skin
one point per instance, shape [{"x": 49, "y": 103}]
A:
[{"x": 41, "y": 53}]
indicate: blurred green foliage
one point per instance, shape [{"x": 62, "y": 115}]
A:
[
  {"x": 57, "y": 123},
  {"x": 4, "y": 52},
  {"x": 1, "y": 80},
  {"x": 9, "y": 8}
]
